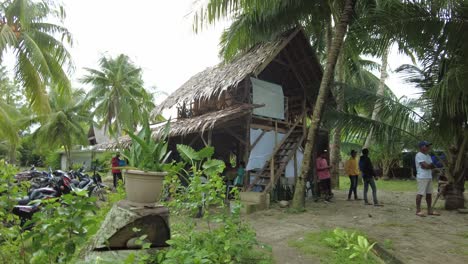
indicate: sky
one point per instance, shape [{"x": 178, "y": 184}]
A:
[{"x": 157, "y": 35}]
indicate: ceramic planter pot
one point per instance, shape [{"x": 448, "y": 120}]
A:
[{"x": 144, "y": 186}]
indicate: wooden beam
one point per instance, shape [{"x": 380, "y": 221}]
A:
[
  {"x": 194, "y": 139},
  {"x": 248, "y": 148},
  {"x": 276, "y": 133},
  {"x": 272, "y": 120},
  {"x": 204, "y": 141},
  {"x": 267, "y": 128},
  {"x": 277, "y": 60},
  {"x": 294, "y": 69},
  {"x": 236, "y": 137},
  {"x": 210, "y": 137},
  {"x": 257, "y": 140},
  {"x": 295, "y": 166},
  {"x": 276, "y": 52}
]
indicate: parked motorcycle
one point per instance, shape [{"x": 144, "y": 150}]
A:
[
  {"x": 30, "y": 204},
  {"x": 29, "y": 174}
]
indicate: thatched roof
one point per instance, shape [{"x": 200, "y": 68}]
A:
[
  {"x": 190, "y": 125},
  {"x": 214, "y": 80}
]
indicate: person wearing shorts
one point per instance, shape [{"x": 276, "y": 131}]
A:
[{"x": 424, "y": 168}]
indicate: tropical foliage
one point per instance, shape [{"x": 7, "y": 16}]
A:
[
  {"x": 118, "y": 96},
  {"x": 372, "y": 30},
  {"x": 38, "y": 45},
  {"x": 64, "y": 126}
]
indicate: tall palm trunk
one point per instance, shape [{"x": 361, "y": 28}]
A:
[
  {"x": 456, "y": 172},
  {"x": 335, "y": 148},
  {"x": 380, "y": 92},
  {"x": 12, "y": 154},
  {"x": 340, "y": 31}
]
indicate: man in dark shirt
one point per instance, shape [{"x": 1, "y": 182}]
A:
[
  {"x": 116, "y": 173},
  {"x": 368, "y": 175}
]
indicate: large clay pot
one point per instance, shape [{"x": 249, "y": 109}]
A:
[{"x": 144, "y": 186}]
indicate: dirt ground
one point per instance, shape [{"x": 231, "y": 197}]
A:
[{"x": 412, "y": 239}]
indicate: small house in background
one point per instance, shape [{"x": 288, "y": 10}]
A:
[
  {"x": 85, "y": 155},
  {"x": 252, "y": 109}
]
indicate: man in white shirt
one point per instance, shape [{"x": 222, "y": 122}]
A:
[{"x": 424, "y": 168}]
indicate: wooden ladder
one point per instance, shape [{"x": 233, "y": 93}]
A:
[{"x": 275, "y": 166}]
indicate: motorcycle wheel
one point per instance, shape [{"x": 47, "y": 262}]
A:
[{"x": 99, "y": 193}]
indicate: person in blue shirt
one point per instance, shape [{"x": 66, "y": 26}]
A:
[{"x": 239, "y": 181}]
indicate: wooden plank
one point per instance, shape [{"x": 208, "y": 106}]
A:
[
  {"x": 272, "y": 120},
  {"x": 267, "y": 128}
]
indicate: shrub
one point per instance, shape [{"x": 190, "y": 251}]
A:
[
  {"x": 56, "y": 233},
  {"x": 12, "y": 246},
  {"x": 54, "y": 160},
  {"x": 220, "y": 236}
]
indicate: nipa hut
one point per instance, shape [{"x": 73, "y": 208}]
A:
[{"x": 252, "y": 109}]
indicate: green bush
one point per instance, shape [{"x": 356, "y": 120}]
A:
[
  {"x": 337, "y": 246},
  {"x": 12, "y": 242},
  {"x": 54, "y": 160},
  {"x": 220, "y": 236},
  {"x": 57, "y": 232},
  {"x": 103, "y": 161}
]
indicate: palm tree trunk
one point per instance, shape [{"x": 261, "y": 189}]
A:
[
  {"x": 380, "y": 92},
  {"x": 68, "y": 155},
  {"x": 335, "y": 148},
  {"x": 12, "y": 154},
  {"x": 456, "y": 172},
  {"x": 340, "y": 31}
]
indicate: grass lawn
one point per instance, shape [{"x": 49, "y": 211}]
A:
[
  {"x": 389, "y": 185},
  {"x": 315, "y": 244}
]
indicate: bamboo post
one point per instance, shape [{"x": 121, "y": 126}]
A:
[
  {"x": 276, "y": 134},
  {"x": 272, "y": 169},
  {"x": 295, "y": 166},
  {"x": 210, "y": 137}
]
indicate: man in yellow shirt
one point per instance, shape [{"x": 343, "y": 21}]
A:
[{"x": 352, "y": 170}]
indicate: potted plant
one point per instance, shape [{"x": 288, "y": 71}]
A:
[{"x": 147, "y": 155}]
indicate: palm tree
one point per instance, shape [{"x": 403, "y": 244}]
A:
[
  {"x": 269, "y": 17},
  {"x": 11, "y": 114},
  {"x": 438, "y": 33},
  {"x": 40, "y": 56},
  {"x": 63, "y": 126},
  {"x": 118, "y": 95}
]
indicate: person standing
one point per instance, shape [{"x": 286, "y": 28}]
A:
[
  {"x": 352, "y": 170},
  {"x": 239, "y": 181},
  {"x": 368, "y": 176},
  {"x": 323, "y": 174},
  {"x": 116, "y": 173},
  {"x": 424, "y": 168}
]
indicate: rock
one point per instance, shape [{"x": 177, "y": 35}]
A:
[{"x": 118, "y": 228}]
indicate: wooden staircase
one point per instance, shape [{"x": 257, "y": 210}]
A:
[{"x": 275, "y": 166}]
